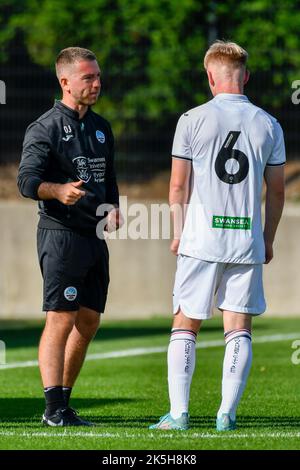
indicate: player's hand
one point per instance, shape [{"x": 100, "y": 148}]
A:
[
  {"x": 174, "y": 246},
  {"x": 269, "y": 252},
  {"x": 115, "y": 220},
  {"x": 70, "y": 193}
]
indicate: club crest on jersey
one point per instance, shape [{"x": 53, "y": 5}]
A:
[
  {"x": 82, "y": 168},
  {"x": 100, "y": 136},
  {"x": 70, "y": 293}
]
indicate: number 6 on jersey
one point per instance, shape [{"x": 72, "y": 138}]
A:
[{"x": 226, "y": 153}]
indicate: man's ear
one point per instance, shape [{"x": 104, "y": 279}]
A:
[
  {"x": 210, "y": 78},
  {"x": 246, "y": 77},
  {"x": 64, "y": 83}
]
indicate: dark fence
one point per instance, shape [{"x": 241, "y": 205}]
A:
[{"x": 30, "y": 91}]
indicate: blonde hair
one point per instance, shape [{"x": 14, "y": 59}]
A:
[{"x": 226, "y": 52}]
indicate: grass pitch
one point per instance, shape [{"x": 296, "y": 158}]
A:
[{"x": 123, "y": 388}]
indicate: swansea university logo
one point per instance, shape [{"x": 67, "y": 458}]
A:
[{"x": 82, "y": 168}]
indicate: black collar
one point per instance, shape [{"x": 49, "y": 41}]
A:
[{"x": 69, "y": 111}]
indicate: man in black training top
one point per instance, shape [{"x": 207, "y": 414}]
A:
[{"x": 67, "y": 165}]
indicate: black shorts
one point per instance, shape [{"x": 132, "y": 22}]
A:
[{"x": 74, "y": 269}]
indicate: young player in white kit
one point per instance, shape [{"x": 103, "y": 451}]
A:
[{"x": 222, "y": 152}]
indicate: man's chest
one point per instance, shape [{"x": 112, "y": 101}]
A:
[{"x": 82, "y": 149}]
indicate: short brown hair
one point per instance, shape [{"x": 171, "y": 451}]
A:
[
  {"x": 228, "y": 52},
  {"x": 70, "y": 55}
]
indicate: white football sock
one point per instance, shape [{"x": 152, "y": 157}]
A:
[
  {"x": 181, "y": 365},
  {"x": 236, "y": 367}
]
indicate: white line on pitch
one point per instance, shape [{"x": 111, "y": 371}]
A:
[
  {"x": 157, "y": 435},
  {"x": 159, "y": 349}
]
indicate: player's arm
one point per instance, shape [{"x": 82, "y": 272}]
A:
[
  {"x": 178, "y": 197},
  {"x": 34, "y": 163},
  {"x": 274, "y": 178}
]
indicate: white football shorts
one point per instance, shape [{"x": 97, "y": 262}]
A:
[{"x": 238, "y": 288}]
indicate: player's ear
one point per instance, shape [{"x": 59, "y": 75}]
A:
[
  {"x": 210, "y": 78},
  {"x": 247, "y": 76}
]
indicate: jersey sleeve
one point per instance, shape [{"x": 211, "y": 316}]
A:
[
  {"x": 182, "y": 139},
  {"x": 34, "y": 161},
  {"x": 277, "y": 156}
]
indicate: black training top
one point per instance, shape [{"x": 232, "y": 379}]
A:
[{"x": 59, "y": 148}]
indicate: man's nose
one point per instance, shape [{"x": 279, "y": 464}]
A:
[{"x": 97, "y": 83}]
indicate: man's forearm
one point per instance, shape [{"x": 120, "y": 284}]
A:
[
  {"x": 48, "y": 190},
  {"x": 178, "y": 198},
  {"x": 273, "y": 210}
]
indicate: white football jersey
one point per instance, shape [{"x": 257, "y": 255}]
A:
[{"x": 229, "y": 142}]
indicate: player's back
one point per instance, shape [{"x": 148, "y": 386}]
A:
[{"x": 229, "y": 141}]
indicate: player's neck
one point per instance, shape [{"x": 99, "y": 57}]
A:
[
  {"x": 231, "y": 89},
  {"x": 80, "y": 108}
]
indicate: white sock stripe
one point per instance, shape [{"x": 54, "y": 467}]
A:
[
  {"x": 47, "y": 389},
  {"x": 175, "y": 331},
  {"x": 183, "y": 335},
  {"x": 227, "y": 333},
  {"x": 237, "y": 336},
  {"x": 242, "y": 332}
]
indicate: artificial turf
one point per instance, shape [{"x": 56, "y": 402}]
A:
[{"x": 123, "y": 395}]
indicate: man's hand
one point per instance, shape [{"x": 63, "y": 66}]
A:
[
  {"x": 115, "y": 220},
  {"x": 269, "y": 252},
  {"x": 174, "y": 246},
  {"x": 69, "y": 193}
]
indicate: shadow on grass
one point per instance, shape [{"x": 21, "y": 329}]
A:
[
  {"x": 27, "y": 412},
  {"x": 20, "y": 334},
  {"x": 246, "y": 422},
  {"x": 274, "y": 422},
  {"x": 29, "y": 336},
  {"x": 23, "y": 409}
]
